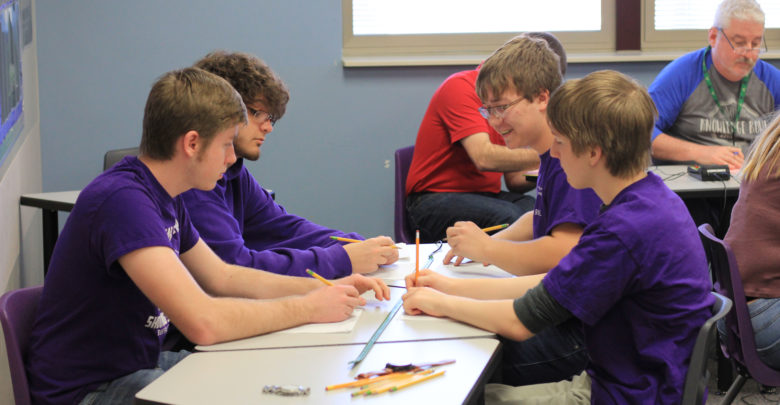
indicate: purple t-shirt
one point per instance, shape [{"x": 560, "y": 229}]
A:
[
  {"x": 557, "y": 202},
  {"x": 638, "y": 281},
  {"x": 243, "y": 225},
  {"x": 93, "y": 324}
]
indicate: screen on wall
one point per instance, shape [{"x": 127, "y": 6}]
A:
[{"x": 10, "y": 73}]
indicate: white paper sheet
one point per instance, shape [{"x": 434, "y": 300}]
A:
[{"x": 344, "y": 326}]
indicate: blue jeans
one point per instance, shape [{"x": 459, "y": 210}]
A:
[
  {"x": 765, "y": 318},
  {"x": 433, "y": 213},
  {"x": 122, "y": 390},
  {"x": 555, "y": 354}
]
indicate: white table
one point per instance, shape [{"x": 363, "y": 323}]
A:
[
  {"x": 402, "y": 328},
  {"x": 238, "y": 377},
  {"x": 678, "y": 180}
]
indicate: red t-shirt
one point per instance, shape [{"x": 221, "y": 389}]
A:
[{"x": 440, "y": 163}]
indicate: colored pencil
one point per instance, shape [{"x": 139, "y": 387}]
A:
[
  {"x": 350, "y": 240},
  {"x": 417, "y": 256},
  {"x": 319, "y": 277},
  {"x": 488, "y": 229}
]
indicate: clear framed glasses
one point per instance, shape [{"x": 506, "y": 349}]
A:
[
  {"x": 261, "y": 116},
  {"x": 497, "y": 111},
  {"x": 742, "y": 49}
]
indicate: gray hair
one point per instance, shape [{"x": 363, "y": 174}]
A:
[{"x": 748, "y": 10}]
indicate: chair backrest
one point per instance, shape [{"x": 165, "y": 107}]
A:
[
  {"x": 698, "y": 373},
  {"x": 17, "y": 313},
  {"x": 403, "y": 159},
  {"x": 115, "y": 155},
  {"x": 740, "y": 344}
]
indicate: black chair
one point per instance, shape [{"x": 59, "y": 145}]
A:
[
  {"x": 698, "y": 373},
  {"x": 115, "y": 155},
  {"x": 403, "y": 159},
  {"x": 740, "y": 343}
]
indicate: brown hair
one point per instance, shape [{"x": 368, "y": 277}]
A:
[
  {"x": 610, "y": 110},
  {"x": 251, "y": 77},
  {"x": 188, "y": 99},
  {"x": 524, "y": 64}
]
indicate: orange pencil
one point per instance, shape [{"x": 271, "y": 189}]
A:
[{"x": 417, "y": 256}]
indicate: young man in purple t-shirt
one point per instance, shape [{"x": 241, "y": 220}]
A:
[
  {"x": 514, "y": 84},
  {"x": 129, "y": 262},
  {"x": 240, "y": 221},
  {"x": 640, "y": 286}
]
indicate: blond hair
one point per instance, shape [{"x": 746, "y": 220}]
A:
[{"x": 764, "y": 153}]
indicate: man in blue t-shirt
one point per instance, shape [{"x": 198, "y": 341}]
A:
[
  {"x": 713, "y": 102},
  {"x": 240, "y": 221},
  {"x": 637, "y": 279},
  {"x": 129, "y": 262}
]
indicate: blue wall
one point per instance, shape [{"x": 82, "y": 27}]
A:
[{"x": 326, "y": 159}]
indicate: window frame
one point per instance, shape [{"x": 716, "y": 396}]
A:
[{"x": 627, "y": 35}]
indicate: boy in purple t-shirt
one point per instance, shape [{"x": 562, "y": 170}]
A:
[
  {"x": 638, "y": 284},
  {"x": 515, "y": 83},
  {"x": 129, "y": 262},
  {"x": 240, "y": 221}
]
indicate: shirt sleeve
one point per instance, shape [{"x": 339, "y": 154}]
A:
[
  {"x": 459, "y": 112},
  {"x": 267, "y": 237},
  {"x": 593, "y": 277},
  {"x": 538, "y": 310},
  {"x": 672, "y": 87}
]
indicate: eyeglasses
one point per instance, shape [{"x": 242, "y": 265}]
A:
[
  {"x": 497, "y": 111},
  {"x": 742, "y": 49},
  {"x": 261, "y": 115}
]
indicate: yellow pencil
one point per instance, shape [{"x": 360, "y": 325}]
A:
[
  {"x": 350, "y": 240},
  {"x": 319, "y": 277},
  {"x": 413, "y": 381},
  {"x": 417, "y": 256},
  {"x": 417, "y": 380},
  {"x": 488, "y": 229}
]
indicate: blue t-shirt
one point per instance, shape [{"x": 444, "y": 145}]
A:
[
  {"x": 93, "y": 324},
  {"x": 557, "y": 202},
  {"x": 638, "y": 281},
  {"x": 240, "y": 221},
  {"x": 686, "y": 109}
]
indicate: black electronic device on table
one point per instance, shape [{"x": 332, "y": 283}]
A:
[{"x": 709, "y": 172}]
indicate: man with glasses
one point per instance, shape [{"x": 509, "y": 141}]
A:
[
  {"x": 514, "y": 86},
  {"x": 459, "y": 161},
  {"x": 714, "y": 101},
  {"x": 241, "y": 222}
]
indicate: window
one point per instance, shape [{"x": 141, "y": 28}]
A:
[
  {"x": 441, "y": 32},
  {"x": 683, "y": 24},
  {"x": 455, "y": 32}
]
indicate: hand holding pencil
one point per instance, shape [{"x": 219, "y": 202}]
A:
[
  {"x": 367, "y": 255},
  {"x": 467, "y": 240}
]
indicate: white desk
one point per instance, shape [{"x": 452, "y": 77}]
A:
[
  {"x": 238, "y": 377},
  {"x": 50, "y": 204},
  {"x": 400, "y": 329},
  {"x": 678, "y": 180}
]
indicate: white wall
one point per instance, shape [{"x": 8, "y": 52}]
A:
[{"x": 21, "y": 260}]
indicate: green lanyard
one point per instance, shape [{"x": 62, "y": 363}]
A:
[{"x": 740, "y": 100}]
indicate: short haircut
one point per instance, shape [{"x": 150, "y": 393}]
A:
[
  {"x": 764, "y": 154},
  {"x": 251, "y": 77},
  {"x": 188, "y": 99},
  {"x": 748, "y": 10},
  {"x": 610, "y": 110},
  {"x": 524, "y": 64},
  {"x": 555, "y": 45}
]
